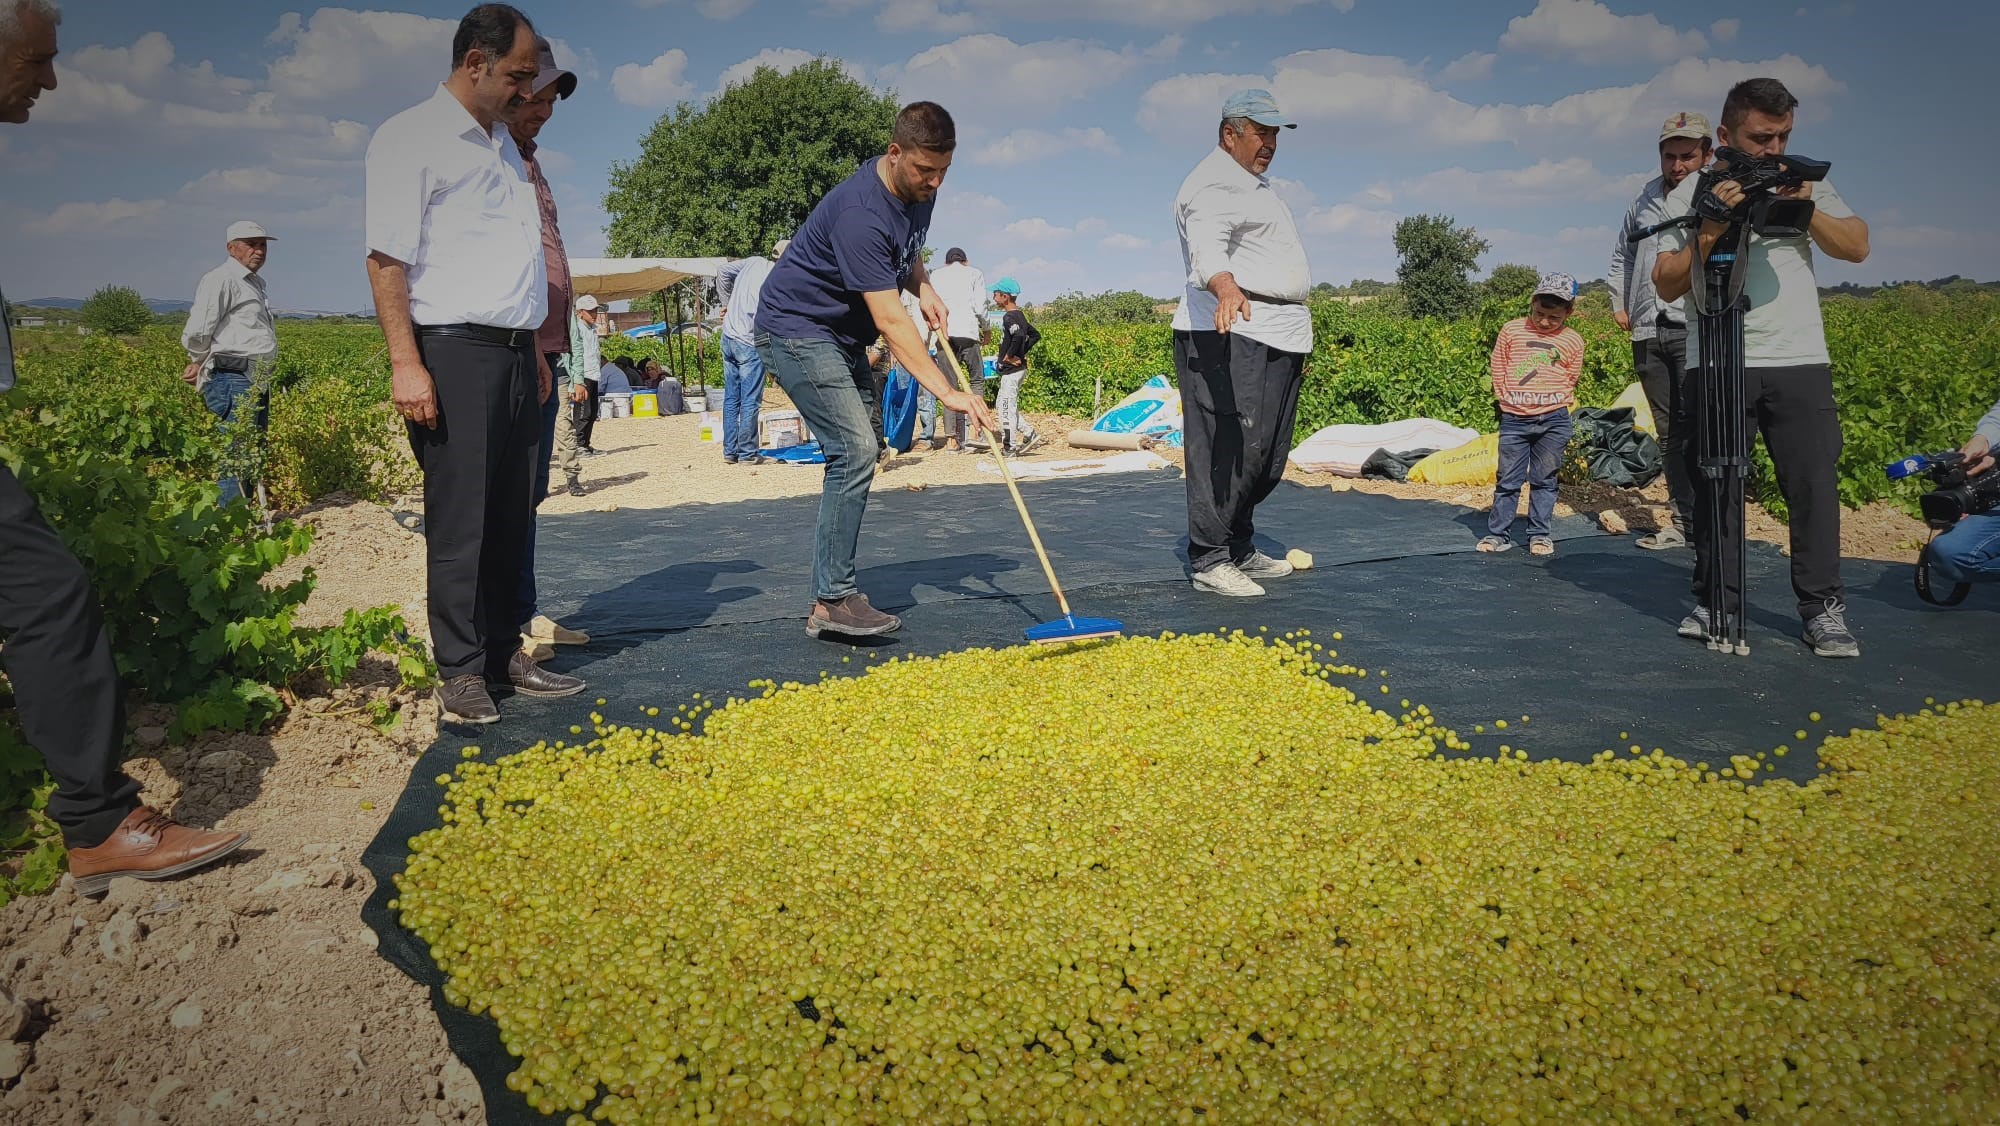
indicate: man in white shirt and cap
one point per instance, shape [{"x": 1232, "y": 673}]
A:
[
  {"x": 455, "y": 262},
  {"x": 230, "y": 339},
  {"x": 962, "y": 288},
  {"x": 738, "y": 285},
  {"x": 1241, "y": 337}
]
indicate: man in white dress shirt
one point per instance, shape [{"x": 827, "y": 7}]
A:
[
  {"x": 230, "y": 336},
  {"x": 1241, "y": 336},
  {"x": 455, "y": 262}
]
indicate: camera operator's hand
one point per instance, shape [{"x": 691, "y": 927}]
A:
[
  {"x": 1795, "y": 191},
  {"x": 1978, "y": 456},
  {"x": 1730, "y": 194}
]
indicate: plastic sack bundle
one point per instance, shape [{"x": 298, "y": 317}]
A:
[
  {"x": 899, "y": 410},
  {"x": 1153, "y": 410},
  {"x": 1475, "y": 463}
]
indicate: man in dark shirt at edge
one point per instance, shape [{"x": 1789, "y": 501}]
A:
[{"x": 836, "y": 288}]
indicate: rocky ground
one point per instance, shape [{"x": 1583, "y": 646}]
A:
[{"x": 252, "y": 992}]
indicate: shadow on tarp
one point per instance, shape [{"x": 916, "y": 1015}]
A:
[{"x": 1583, "y": 641}]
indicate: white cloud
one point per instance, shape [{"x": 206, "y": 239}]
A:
[
  {"x": 1149, "y": 13},
  {"x": 1123, "y": 241},
  {"x": 1395, "y": 105},
  {"x": 923, "y": 15},
  {"x": 1474, "y": 67},
  {"x": 1035, "y": 78},
  {"x": 967, "y": 211},
  {"x": 724, "y": 9},
  {"x": 1297, "y": 196},
  {"x": 1349, "y": 219},
  {"x": 1582, "y": 252},
  {"x": 654, "y": 85},
  {"x": 252, "y": 182},
  {"x": 75, "y": 217},
  {"x": 1025, "y": 146},
  {"x": 1037, "y": 229},
  {"x": 1545, "y": 182},
  {"x": 370, "y": 63},
  {"x": 144, "y": 61},
  {"x": 784, "y": 60},
  {"x": 1724, "y": 31},
  {"x": 1589, "y": 31}
]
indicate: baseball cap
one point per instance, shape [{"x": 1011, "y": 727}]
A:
[
  {"x": 1008, "y": 286},
  {"x": 545, "y": 61},
  {"x": 587, "y": 303},
  {"x": 245, "y": 229},
  {"x": 1257, "y": 105},
  {"x": 1690, "y": 125},
  {"x": 1560, "y": 286}
]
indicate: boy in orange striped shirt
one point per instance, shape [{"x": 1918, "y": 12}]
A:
[{"x": 1536, "y": 363}]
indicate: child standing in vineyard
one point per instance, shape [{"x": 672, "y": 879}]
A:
[{"x": 1536, "y": 363}]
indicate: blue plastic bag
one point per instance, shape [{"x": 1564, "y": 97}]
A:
[{"x": 899, "y": 410}]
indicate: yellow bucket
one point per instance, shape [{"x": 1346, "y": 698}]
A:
[{"x": 645, "y": 404}]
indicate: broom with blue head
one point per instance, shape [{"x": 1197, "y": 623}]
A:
[{"x": 1069, "y": 627}]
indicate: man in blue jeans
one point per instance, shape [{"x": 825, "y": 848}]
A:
[
  {"x": 1970, "y": 552},
  {"x": 835, "y": 289},
  {"x": 229, "y": 337},
  {"x": 738, "y": 286}
]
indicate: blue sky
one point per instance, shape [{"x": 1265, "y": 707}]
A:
[{"x": 1532, "y": 120}]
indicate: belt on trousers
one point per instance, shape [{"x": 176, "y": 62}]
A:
[
  {"x": 1269, "y": 300},
  {"x": 231, "y": 365},
  {"x": 485, "y": 334}
]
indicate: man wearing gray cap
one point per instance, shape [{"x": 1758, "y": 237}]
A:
[
  {"x": 1241, "y": 337},
  {"x": 1659, "y": 328},
  {"x": 229, "y": 337}
]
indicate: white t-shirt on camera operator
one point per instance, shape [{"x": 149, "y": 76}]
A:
[{"x": 1783, "y": 327}]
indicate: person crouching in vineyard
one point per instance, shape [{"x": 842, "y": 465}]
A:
[
  {"x": 57, "y": 652},
  {"x": 1017, "y": 337},
  {"x": 1536, "y": 363}
]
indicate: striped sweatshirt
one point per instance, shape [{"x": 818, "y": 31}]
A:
[{"x": 1535, "y": 373}]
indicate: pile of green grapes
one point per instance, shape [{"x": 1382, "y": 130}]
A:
[{"x": 1202, "y": 878}]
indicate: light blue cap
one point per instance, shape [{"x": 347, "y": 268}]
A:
[
  {"x": 1008, "y": 286},
  {"x": 1257, "y": 105}
]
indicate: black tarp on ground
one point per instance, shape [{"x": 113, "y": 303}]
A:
[{"x": 1584, "y": 641}]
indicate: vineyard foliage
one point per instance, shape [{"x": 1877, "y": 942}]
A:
[
  {"x": 121, "y": 458},
  {"x": 1913, "y": 370}
]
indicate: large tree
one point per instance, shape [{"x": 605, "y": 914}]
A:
[
  {"x": 733, "y": 176},
  {"x": 1437, "y": 256},
  {"x": 116, "y": 311}
]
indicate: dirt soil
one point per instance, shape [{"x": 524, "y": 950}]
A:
[{"x": 251, "y": 992}]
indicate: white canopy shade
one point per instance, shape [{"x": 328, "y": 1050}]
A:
[{"x": 621, "y": 279}]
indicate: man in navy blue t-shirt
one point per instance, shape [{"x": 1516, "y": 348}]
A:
[{"x": 839, "y": 286}]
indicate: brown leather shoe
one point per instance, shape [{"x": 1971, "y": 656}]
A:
[
  {"x": 464, "y": 699},
  {"x": 850, "y": 617},
  {"x": 531, "y": 679},
  {"x": 148, "y": 845}
]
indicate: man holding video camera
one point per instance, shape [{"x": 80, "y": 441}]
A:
[
  {"x": 1787, "y": 377},
  {"x": 1970, "y": 551}
]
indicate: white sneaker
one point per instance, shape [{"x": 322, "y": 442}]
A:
[
  {"x": 1258, "y": 565},
  {"x": 1226, "y": 579}
]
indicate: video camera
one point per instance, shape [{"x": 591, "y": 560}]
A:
[
  {"x": 1952, "y": 498},
  {"x": 1953, "y": 495},
  {"x": 1769, "y": 214}
]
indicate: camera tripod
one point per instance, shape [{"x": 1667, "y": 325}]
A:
[{"x": 1721, "y": 438}]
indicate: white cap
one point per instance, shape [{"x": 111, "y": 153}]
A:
[
  {"x": 587, "y": 303},
  {"x": 245, "y": 229}
]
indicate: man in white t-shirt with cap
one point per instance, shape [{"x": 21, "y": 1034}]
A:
[
  {"x": 229, "y": 337},
  {"x": 1241, "y": 337}
]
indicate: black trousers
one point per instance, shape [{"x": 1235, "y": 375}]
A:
[
  {"x": 1793, "y": 408},
  {"x": 590, "y": 422},
  {"x": 479, "y": 472},
  {"x": 1241, "y": 400},
  {"x": 58, "y": 657},
  {"x": 1662, "y": 366}
]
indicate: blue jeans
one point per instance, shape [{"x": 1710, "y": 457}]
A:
[
  {"x": 742, "y": 395},
  {"x": 226, "y": 393},
  {"x": 833, "y": 388},
  {"x": 927, "y": 411},
  {"x": 527, "y": 597},
  {"x": 1969, "y": 553},
  {"x": 1531, "y": 449}
]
